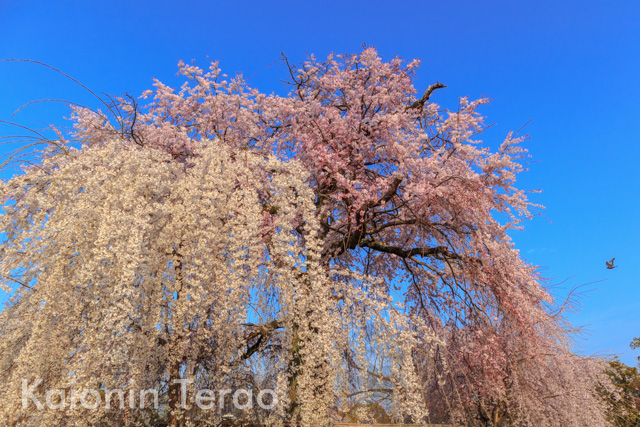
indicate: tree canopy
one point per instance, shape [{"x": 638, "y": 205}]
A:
[
  {"x": 624, "y": 399},
  {"x": 345, "y": 245}
]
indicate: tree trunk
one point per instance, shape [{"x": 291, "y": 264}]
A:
[
  {"x": 294, "y": 366},
  {"x": 176, "y": 412}
]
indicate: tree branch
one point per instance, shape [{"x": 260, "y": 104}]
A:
[
  {"x": 420, "y": 103},
  {"x": 407, "y": 253},
  {"x": 264, "y": 332}
]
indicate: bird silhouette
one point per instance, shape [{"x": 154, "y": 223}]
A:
[{"x": 610, "y": 264}]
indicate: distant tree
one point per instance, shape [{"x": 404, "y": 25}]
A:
[
  {"x": 634, "y": 345},
  {"x": 624, "y": 400},
  {"x": 346, "y": 243}
]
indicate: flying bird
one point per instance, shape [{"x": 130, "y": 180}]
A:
[{"x": 610, "y": 265}]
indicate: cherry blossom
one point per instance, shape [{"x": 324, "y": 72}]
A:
[{"x": 344, "y": 244}]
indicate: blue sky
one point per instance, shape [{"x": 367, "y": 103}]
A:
[{"x": 572, "y": 67}]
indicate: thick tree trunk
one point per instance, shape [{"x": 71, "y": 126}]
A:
[
  {"x": 294, "y": 366},
  {"x": 176, "y": 412}
]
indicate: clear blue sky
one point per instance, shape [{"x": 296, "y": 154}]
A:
[{"x": 571, "y": 66}]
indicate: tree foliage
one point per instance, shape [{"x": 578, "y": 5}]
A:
[
  {"x": 635, "y": 344},
  {"x": 345, "y": 244},
  {"x": 624, "y": 400}
]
